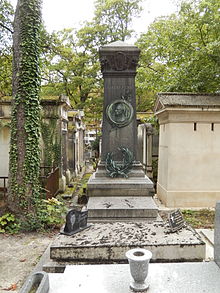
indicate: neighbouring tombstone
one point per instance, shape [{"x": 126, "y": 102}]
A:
[
  {"x": 76, "y": 221},
  {"x": 217, "y": 234},
  {"x": 176, "y": 220},
  {"x": 188, "y": 169}
]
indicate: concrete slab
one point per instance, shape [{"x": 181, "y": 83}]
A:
[
  {"x": 163, "y": 278},
  {"x": 122, "y": 207},
  {"x": 107, "y": 242},
  {"x": 208, "y": 234}
]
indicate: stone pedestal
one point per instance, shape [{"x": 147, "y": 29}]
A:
[
  {"x": 119, "y": 173},
  {"x": 137, "y": 183}
]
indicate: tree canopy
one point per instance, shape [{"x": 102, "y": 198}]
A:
[
  {"x": 182, "y": 52},
  {"x": 6, "y": 31},
  {"x": 71, "y": 63},
  {"x": 179, "y": 52}
]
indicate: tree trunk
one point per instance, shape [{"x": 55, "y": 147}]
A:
[{"x": 23, "y": 191}]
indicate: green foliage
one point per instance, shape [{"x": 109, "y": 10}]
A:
[
  {"x": 83, "y": 183},
  {"x": 24, "y": 188},
  {"x": 154, "y": 121},
  {"x": 52, "y": 213},
  {"x": 9, "y": 224},
  {"x": 93, "y": 109},
  {"x": 6, "y": 16},
  {"x": 5, "y": 123},
  {"x": 51, "y": 150},
  {"x": 114, "y": 17},
  {"x": 200, "y": 219},
  {"x": 182, "y": 52},
  {"x": 95, "y": 144},
  {"x": 145, "y": 99},
  {"x": 69, "y": 68},
  {"x": 71, "y": 62},
  {"x": 6, "y": 24}
]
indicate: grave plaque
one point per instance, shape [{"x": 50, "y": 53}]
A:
[
  {"x": 176, "y": 220},
  {"x": 76, "y": 221}
]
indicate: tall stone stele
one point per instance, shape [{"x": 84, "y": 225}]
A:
[{"x": 119, "y": 172}]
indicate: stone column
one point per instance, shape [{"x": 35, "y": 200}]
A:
[
  {"x": 118, "y": 64},
  {"x": 149, "y": 155},
  {"x": 119, "y": 189}
]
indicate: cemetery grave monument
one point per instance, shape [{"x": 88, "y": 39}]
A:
[{"x": 119, "y": 189}]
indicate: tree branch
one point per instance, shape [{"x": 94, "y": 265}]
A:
[
  {"x": 5, "y": 27},
  {"x": 148, "y": 66}
]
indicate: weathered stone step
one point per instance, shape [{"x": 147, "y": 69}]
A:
[
  {"x": 132, "y": 186},
  {"x": 123, "y": 208},
  {"x": 110, "y": 241}
]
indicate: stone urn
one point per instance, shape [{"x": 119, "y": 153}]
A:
[{"x": 139, "y": 259}]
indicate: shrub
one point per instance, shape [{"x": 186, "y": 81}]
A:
[
  {"x": 9, "y": 224},
  {"x": 52, "y": 213}
]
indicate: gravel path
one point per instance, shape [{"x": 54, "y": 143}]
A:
[{"x": 18, "y": 256}]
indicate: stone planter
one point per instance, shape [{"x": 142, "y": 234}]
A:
[
  {"x": 38, "y": 282},
  {"x": 139, "y": 259}
]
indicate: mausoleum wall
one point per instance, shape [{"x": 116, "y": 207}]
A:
[{"x": 189, "y": 156}]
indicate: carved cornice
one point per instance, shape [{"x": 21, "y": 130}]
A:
[{"x": 118, "y": 61}]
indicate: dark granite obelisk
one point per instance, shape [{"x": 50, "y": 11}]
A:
[
  {"x": 118, "y": 65},
  {"x": 120, "y": 175}
]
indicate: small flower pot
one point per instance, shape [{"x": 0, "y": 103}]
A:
[{"x": 139, "y": 259}]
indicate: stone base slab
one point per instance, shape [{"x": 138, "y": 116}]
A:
[
  {"x": 107, "y": 186},
  {"x": 187, "y": 198},
  {"x": 110, "y": 241},
  {"x": 170, "y": 278},
  {"x": 123, "y": 208}
]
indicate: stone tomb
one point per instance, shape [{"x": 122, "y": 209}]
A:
[
  {"x": 185, "y": 277},
  {"x": 189, "y": 161},
  {"x": 108, "y": 242},
  {"x": 120, "y": 172}
]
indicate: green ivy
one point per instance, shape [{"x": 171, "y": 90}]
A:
[
  {"x": 9, "y": 224},
  {"x": 51, "y": 142},
  {"x": 24, "y": 185},
  {"x": 5, "y": 124},
  {"x": 52, "y": 213}
]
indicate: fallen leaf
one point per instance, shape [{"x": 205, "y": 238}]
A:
[{"x": 13, "y": 287}]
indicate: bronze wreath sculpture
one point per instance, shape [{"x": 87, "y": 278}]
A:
[{"x": 115, "y": 169}]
